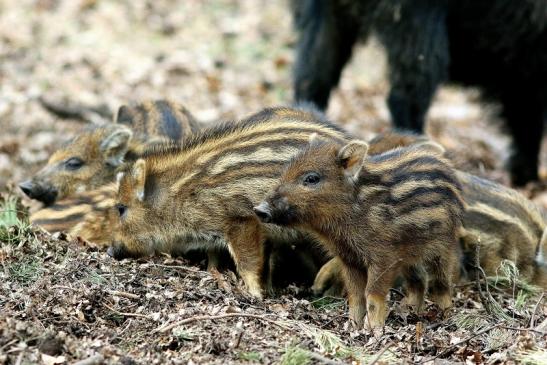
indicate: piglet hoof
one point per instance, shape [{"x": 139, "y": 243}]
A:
[
  {"x": 253, "y": 284},
  {"x": 254, "y": 290},
  {"x": 357, "y": 318},
  {"x": 356, "y": 324},
  {"x": 375, "y": 328},
  {"x": 443, "y": 301},
  {"x": 255, "y": 293},
  {"x": 415, "y": 303}
]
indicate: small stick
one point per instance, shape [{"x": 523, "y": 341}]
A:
[
  {"x": 8, "y": 344},
  {"x": 62, "y": 287},
  {"x": 524, "y": 329},
  {"x": 165, "y": 327},
  {"x": 19, "y": 359},
  {"x": 238, "y": 339},
  {"x": 450, "y": 348},
  {"x": 92, "y": 360},
  {"x": 488, "y": 301},
  {"x": 542, "y": 325},
  {"x": 127, "y": 314},
  {"x": 123, "y": 294},
  {"x": 533, "y": 319},
  {"x": 484, "y": 301},
  {"x": 379, "y": 354},
  {"x": 185, "y": 268}
]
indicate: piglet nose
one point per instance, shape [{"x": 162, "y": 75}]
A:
[
  {"x": 26, "y": 187},
  {"x": 263, "y": 212}
]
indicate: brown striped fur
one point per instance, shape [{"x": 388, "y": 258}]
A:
[
  {"x": 92, "y": 158},
  {"x": 89, "y": 215},
  {"x": 503, "y": 223},
  {"x": 206, "y": 189},
  {"x": 392, "y": 214},
  {"x": 158, "y": 119}
]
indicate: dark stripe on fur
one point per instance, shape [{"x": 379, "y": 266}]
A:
[
  {"x": 68, "y": 218},
  {"x": 169, "y": 123}
]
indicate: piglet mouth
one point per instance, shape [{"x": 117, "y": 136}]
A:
[
  {"x": 276, "y": 211},
  {"x": 264, "y": 212}
]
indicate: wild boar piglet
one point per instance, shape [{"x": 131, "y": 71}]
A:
[
  {"x": 92, "y": 158},
  {"x": 205, "y": 190},
  {"x": 384, "y": 216}
]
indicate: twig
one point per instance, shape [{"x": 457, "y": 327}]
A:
[
  {"x": 63, "y": 287},
  {"x": 489, "y": 302},
  {"x": 127, "y": 314},
  {"x": 524, "y": 330},
  {"x": 323, "y": 359},
  {"x": 92, "y": 360},
  {"x": 450, "y": 348},
  {"x": 165, "y": 327},
  {"x": 379, "y": 354},
  {"x": 238, "y": 341},
  {"x": 533, "y": 318},
  {"x": 123, "y": 294},
  {"x": 185, "y": 268},
  {"x": 8, "y": 344},
  {"x": 542, "y": 325},
  {"x": 478, "y": 269}
]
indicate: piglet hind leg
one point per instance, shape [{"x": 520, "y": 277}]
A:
[
  {"x": 329, "y": 281},
  {"x": 415, "y": 278},
  {"x": 246, "y": 241},
  {"x": 355, "y": 279},
  {"x": 441, "y": 271}
]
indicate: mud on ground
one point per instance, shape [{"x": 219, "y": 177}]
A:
[{"x": 63, "y": 300}]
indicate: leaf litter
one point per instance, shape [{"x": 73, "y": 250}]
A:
[{"x": 62, "y": 300}]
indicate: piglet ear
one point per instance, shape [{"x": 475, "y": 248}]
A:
[
  {"x": 125, "y": 115},
  {"x": 432, "y": 147},
  {"x": 138, "y": 172},
  {"x": 352, "y": 156},
  {"x": 115, "y": 145}
]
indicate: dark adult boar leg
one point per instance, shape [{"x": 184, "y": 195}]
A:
[
  {"x": 417, "y": 52},
  {"x": 324, "y": 47},
  {"x": 525, "y": 118},
  {"x": 246, "y": 241},
  {"x": 355, "y": 279}
]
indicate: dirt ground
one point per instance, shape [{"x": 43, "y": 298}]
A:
[{"x": 62, "y": 300}]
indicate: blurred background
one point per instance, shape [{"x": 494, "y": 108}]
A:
[{"x": 223, "y": 59}]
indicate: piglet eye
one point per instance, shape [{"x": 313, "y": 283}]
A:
[
  {"x": 312, "y": 178},
  {"x": 122, "y": 209},
  {"x": 74, "y": 163}
]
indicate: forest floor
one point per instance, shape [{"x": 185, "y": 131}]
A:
[{"x": 63, "y": 300}]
